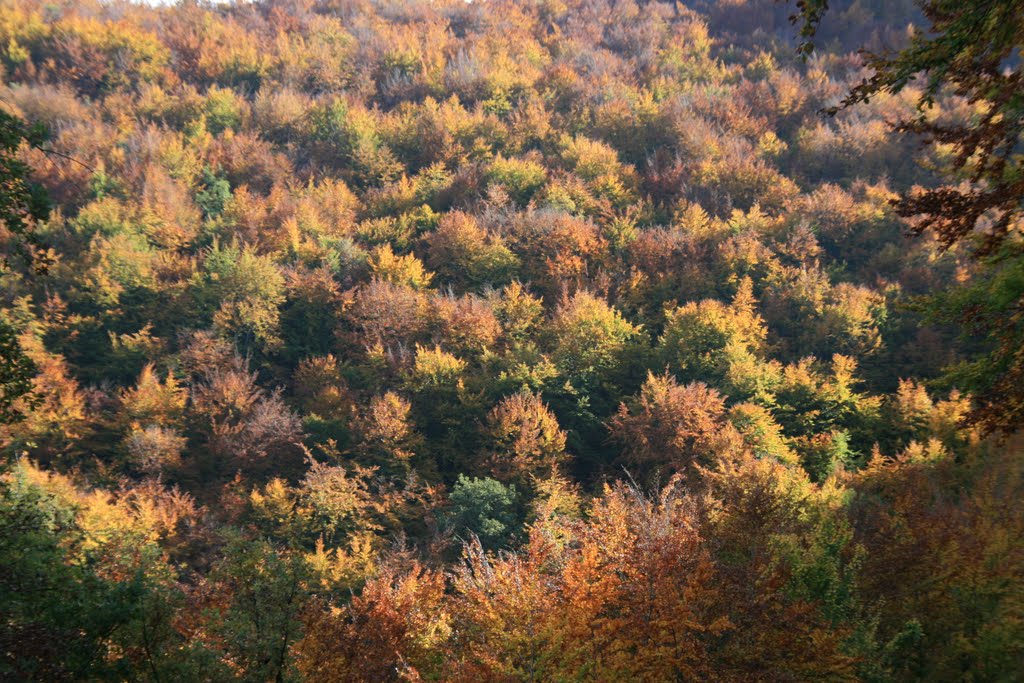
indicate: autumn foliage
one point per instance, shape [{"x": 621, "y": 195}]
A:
[{"x": 496, "y": 341}]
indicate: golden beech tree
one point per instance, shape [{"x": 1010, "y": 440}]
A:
[
  {"x": 524, "y": 438},
  {"x": 592, "y": 339},
  {"x": 500, "y": 611},
  {"x": 464, "y": 253},
  {"x": 558, "y": 250},
  {"x": 640, "y": 591},
  {"x": 385, "y": 431},
  {"x": 404, "y": 270},
  {"x": 467, "y": 324},
  {"x": 698, "y": 336},
  {"x": 389, "y": 632},
  {"x": 631, "y": 598},
  {"x": 518, "y": 311},
  {"x": 673, "y": 426},
  {"x": 153, "y": 401}
]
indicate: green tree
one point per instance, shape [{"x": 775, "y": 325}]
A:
[
  {"x": 214, "y": 195},
  {"x": 22, "y": 203},
  {"x": 486, "y": 508},
  {"x": 60, "y": 613},
  {"x": 16, "y": 371},
  {"x": 259, "y": 595},
  {"x": 242, "y": 291}
]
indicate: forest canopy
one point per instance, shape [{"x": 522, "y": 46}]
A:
[{"x": 365, "y": 340}]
